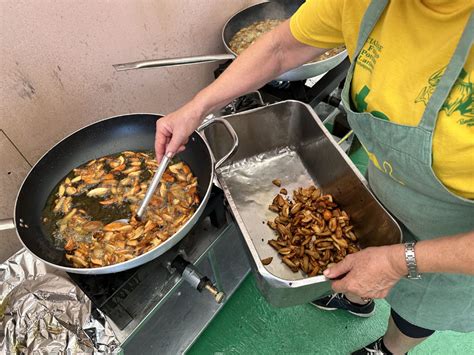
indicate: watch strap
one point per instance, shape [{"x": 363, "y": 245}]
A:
[{"x": 410, "y": 259}]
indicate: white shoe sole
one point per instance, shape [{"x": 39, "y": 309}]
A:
[
  {"x": 362, "y": 315},
  {"x": 323, "y": 307}
]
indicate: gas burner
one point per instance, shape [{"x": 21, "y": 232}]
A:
[
  {"x": 243, "y": 103},
  {"x": 279, "y": 84}
]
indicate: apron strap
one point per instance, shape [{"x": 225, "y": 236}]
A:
[
  {"x": 370, "y": 19},
  {"x": 451, "y": 74}
]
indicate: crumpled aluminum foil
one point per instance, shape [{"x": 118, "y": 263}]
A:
[{"x": 43, "y": 311}]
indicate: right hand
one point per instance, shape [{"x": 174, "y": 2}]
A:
[{"x": 174, "y": 129}]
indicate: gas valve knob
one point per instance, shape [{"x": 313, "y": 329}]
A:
[{"x": 199, "y": 282}]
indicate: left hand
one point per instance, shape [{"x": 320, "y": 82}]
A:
[{"x": 370, "y": 273}]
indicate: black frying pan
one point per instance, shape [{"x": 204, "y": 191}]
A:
[{"x": 112, "y": 135}]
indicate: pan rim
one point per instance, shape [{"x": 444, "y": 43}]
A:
[{"x": 125, "y": 265}]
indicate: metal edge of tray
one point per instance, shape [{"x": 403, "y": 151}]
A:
[{"x": 271, "y": 279}]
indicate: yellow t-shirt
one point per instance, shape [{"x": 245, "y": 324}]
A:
[{"x": 399, "y": 67}]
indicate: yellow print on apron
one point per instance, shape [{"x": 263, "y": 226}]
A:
[{"x": 386, "y": 167}]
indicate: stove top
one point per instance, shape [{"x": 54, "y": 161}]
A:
[
  {"x": 127, "y": 295},
  {"x": 130, "y": 297}
]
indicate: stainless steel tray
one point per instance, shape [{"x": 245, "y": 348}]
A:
[{"x": 287, "y": 141}]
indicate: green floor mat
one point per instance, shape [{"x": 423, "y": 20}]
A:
[{"x": 249, "y": 325}]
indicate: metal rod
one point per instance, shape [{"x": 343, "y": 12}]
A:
[
  {"x": 6, "y": 224},
  {"x": 154, "y": 184},
  {"x": 171, "y": 62}
]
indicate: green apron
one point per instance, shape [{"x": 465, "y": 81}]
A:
[{"x": 406, "y": 185}]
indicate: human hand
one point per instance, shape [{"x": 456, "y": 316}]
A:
[
  {"x": 174, "y": 129},
  {"x": 369, "y": 273}
]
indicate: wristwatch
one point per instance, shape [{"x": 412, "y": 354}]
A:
[{"x": 411, "y": 261}]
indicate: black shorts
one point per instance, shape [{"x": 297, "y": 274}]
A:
[{"x": 408, "y": 329}]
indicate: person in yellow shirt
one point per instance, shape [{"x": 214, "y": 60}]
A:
[
  {"x": 395, "y": 82},
  {"x": 409, "y": 98}
]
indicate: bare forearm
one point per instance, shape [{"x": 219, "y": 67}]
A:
[
  {"x": 451, "y": 254},
  {"x": 251, "y": 70},
  {"x": 273, "y": 54}
]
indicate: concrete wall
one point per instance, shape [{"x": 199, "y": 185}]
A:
[{"x": 56, "y": 68}]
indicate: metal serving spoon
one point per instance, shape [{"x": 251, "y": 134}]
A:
[{"x": 151, "y": 189}]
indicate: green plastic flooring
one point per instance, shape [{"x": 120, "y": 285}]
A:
[{"x": 249, "y": 325}]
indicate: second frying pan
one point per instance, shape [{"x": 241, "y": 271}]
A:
[{"x": 281, "y": 9}]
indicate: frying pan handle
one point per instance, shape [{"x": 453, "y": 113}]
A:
[
  {"x": 171, "y": 62},
  {"x": 232, "y": 133},
  {"x": 6, "y": 224}
]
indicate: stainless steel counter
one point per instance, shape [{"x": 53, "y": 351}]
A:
[{"x": 178, "y": 314}]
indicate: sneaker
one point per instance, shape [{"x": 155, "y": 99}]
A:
[
  {"x": 339, "y": 301},
  {"x": 375, "y": 348}
]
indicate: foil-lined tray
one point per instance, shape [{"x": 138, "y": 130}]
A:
[{"x": 43, "y": 312}]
